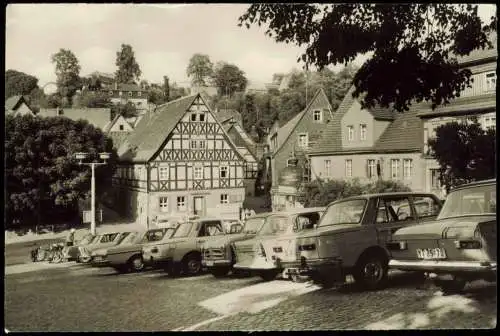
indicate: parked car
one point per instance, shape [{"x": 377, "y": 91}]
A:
[
  {"x": 127, "y": 255},
  {"x": 351, "y": 238},
  {"x": 166, "y": 221},
  {"x": 459, "y": 246},
  {"x": 103, "y": 241},
  {"x": 218, "y": 254},
  {"x": 72, "y": 252},
  {"x": 251, "y": 253},
  {"x": 182, "y": 252}
]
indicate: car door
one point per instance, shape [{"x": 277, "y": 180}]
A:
[{"x": 393, "y": 213}]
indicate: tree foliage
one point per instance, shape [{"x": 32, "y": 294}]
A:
[
  {"x": 414, "y": 46},
  {"x": 320, "y": 193},
  {"x": 127, "y": 110},
  {"x": 228, "y": 79},
  {"x": 465, "y": 152},
  {"x": 19, "y": 83},
  {"x": 128, "y": 69},
  {"x": 42, "y": 177},
  {"x": 199, "y": 69},
  {"x": 92, "y": 99},
  {"x": 67, "y": 73}
]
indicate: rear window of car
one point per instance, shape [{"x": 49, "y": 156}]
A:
[
  {"x": 344, "y": 212},
  {"x": 253, "y": 225},
  {"x": 477, "y": 200}
]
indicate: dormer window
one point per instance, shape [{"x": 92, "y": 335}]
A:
[
  {"x": 491, "y": 81},
  {"x": 317, "y": 115},
  {"x": 362, "y": 132}
]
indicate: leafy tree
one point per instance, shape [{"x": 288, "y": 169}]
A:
[
  {"x": 92, "y": 83},
  {"x": 42, "y": 177},
  {"x": 465, "y": 152},
  {"x": 228, "y": 79},
  {"x": 94, "y": 99},
  {"x": 144, "y": 84},
  {"x": 320, "y": 193},
  {"x": 128, "y": 69},
  {"x": 277, "y": 78},
  {"x": 177, "y": 91},
  {"x": 67, "y": 72},
  {"x": 156, "y": 95},
  {"x": 19, "y": 83},
  {"x": 127, "y": 110},
  {"x": 200, "y": 69},
  {"x": 414, "y": 46}
]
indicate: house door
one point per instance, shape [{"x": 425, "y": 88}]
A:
[{"x": 199, "y": 205}]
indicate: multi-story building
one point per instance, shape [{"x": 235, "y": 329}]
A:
[
  {"x": 129, "y": 93},
  {"x": 179, "y": 160}
]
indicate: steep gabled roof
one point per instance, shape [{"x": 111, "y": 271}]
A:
[
  {"x": 99, "y": 117},
  {"x": 403, "y": 134},
  {"x": 152, "y": 130},
  {"x": 286, "y": 130},
  {"x": 467, "y": 104},
  {"x": 226, "y": 114},
  {"x": 331, "y": 138},
  {"x": 13, "y": 102}
]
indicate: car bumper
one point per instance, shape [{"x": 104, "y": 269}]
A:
[
  {"x": 443, "y": 266},
  {"x": 216, "y": 263},
  {"x": 99, "y": 262},
  {"x": 331, "y": 266},
  {"x": 155, "y": 259},
  {"x": 257, "y": 264}
]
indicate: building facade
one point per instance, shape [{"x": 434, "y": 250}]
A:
[
  {"x": 128, "y": 93},
  {"x": 179, "y": 160}
]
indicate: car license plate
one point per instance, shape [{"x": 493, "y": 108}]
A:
[
  {"x": 209, "y": 263},
  {"x": 431, "y": 253},
  {"x": 98, "y": 258}
]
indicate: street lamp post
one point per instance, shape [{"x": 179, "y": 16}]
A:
[{"x": 80, "y": 156}]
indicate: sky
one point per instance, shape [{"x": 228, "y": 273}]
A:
[{"x": 163, "y": 37}]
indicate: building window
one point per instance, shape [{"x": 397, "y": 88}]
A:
[
  {"x": 328, "y": 167},
  {"x": 303, "y": 140},
  {"x": 202, "y": 116},
  {"x": 130, "y": 93},
  {"x": 350, "y": 133},
  {"x": 163, "y": 204},
  {"x": 407, "y": 168},
  {"x": 193, "y": 116},
  {"x": 201, "y": 144},
  {"x": 224, "y": 199},
  {"x": 181, "y": 203},
  {"x": 110, "y": 93},
  {"x": 223, "y": 172},
  {"x": 491, "y": 81},
  {"x": 193, "y": 144},
  {"x": 435, "y": 182},
  {"x": 317, "y": 115},
  {"x": 394, "y": 168},
  {"x": 163, "y": 173},
  {"x": 120, "y": 93},
  {"x": 362, "y": 132},
  {"x": 348, "y": 168},
  {"x": 121, "y": 127},
  {"x": 372, "y": 168},
  {"x": 198, "y": 173}
]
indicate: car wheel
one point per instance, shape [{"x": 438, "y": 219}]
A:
[
  {"x": 371, "y": 272},
  {"x": 85, "y": 259},
  {"x": 269, "y": 275},
  {"x": 192, "y": 264},
  {"x": 220, "y": 272},
  {"x": 136, "y": 263},
  {"x": 449, "y": 287},
  {"x": 57, "y": 258}
]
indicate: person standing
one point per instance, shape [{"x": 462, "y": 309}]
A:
[{"x": 70, "y": 239}]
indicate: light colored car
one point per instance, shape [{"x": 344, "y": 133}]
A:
[
  {"x": 182, "y": 252},
  {"x": 72, "y": 252},
  {"x": 459, "y": 246},
  {"x": 127, "y": 255},
  {"x": 218, "y": 254},
  {"x": 351, "y": 238},
  {"x": 271, "y": 229},
  {"x": 102, "y": 241}
]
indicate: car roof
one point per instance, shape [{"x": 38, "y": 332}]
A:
[
  {"x": 475, "y": 184},
  {"x": 376, "y": 195},
  {"x": 297, "y": 211}
]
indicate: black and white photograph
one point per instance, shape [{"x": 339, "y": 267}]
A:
[{"x": 174, "y": 167}]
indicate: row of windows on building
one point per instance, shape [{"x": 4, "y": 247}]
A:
[
  {"x": 181, "y": 201},
  {"x": 373, "y": 168},
  {"x": 130, "y": 93},
  {"x": 351, "y": 132}
]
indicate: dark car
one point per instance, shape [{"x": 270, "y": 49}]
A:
[{"x": 459, "y": 246}]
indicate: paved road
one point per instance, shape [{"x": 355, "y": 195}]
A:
[{"x": 76, "y": 298}]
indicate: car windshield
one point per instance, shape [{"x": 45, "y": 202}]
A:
[
  {"x": 275, "y": 225},
  {"x": 253, "y": 225},
  {"x": 128, "y": 239},
  {"x": 183, "y": 230},
  {"x": 346, "y": 212},
  {"x": 122, "y": 237},
  {"x": 470, "y": 201},
  {"x": 87, "y": 239}
]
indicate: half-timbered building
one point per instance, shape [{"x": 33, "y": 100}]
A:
[{"x": 179, "y": 160}]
